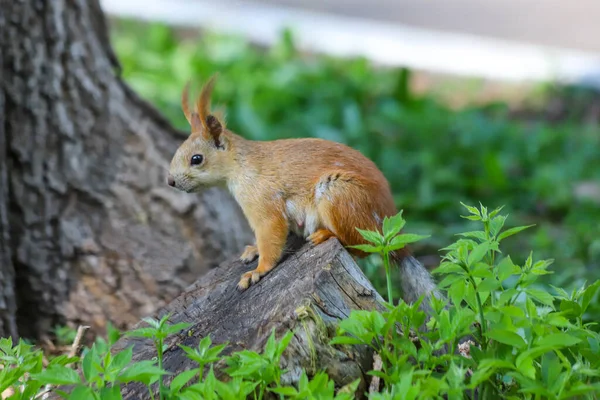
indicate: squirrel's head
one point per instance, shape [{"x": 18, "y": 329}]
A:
[{"x": 203, "y": 158}]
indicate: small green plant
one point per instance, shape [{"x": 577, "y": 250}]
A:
[
  {"x": 158, "y": 332},
  {"x": 504, "y": 336},
  {"x": 386, "y": 242}
]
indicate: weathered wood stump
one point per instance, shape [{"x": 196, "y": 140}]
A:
[{"x": 323, "y": 278}]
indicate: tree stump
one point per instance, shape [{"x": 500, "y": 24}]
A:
[{"x": 324, "y": 279}]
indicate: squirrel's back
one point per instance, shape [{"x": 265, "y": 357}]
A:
[{"x": 308, "y": 159}]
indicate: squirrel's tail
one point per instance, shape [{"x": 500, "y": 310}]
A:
[{"x": 416, "y": 280}]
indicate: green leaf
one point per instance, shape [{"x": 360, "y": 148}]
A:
[
  {"x": 81, "y": 392},
  {"x": 534, "y": 352},
  {"x": 525, "y": 366},
  {"x": 112, "y": 393},
  {"x": 478, "y": 253},
  {"x": 496, "y": 211},
  {"x": 450, "y": 280},
  {"x": 143, "y": 371},
  {"x": 561, "y": 292},
  {"x": 488, "y": 285},
  {"x": 122, "y": 358},
  {"x": 481, "y": 270},
  {"x": 506, "y": 268},
  {"x": 171, "y": 329},
  {"x": 471, "y": 209},
  {"x": 8, "y": 377},
  {"x": 89, "y": 368},
  {"x": 496, "y": 224},
  {"x": 346, "y": 340},
  {"x": 555, "y": 319},
  {"x": 286, "y": 391},
  {"x": 367, "y": 248},
  {"x": 283, "y": 343},
  {"x": 142, "y": 332},
  {"x": 558, "y": 340},
  {"x": 512, "y": 311},
  {"x": 393, "y": 225},
  {"x": 571, "y": 308},
  {"x": 401, "y": 241},
  {"x": 475, "y": 234},
  {"x": 507, "y": 337},
  {"x": 541, "y": 296},
  {"x": 58, "y": 375},
  {"x": 152, "y": 322},
  {"x": 448, "y": 267},
  {"x": 588, "y": 295},
  {"x": 457, "y": 290},
  {"x": 370, "y": 236},
  {"x": 180, "y": 380},
  {"x": 112, "y": 334},
  {"x": 512, "y": 231}
]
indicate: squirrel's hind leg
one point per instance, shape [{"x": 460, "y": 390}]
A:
[
  {"x": 346, "y": 201},
  {"x": 320, "y": 236}
]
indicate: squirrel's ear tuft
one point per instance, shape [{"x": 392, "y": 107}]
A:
[
  {"x": 203, "y": 103},
  {"x": 212, "y": 125},
  {"x": 185, "y": 105}
]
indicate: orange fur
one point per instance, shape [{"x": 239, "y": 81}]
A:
[{"x": 313, "y": 187}]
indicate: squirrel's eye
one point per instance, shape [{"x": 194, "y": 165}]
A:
[{"x": 197, "y": 159}]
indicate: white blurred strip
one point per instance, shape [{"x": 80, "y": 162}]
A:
[{"x": 382, "y": 43}]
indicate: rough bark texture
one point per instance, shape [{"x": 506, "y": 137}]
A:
[
  {"x": 324, "y": 280},
  {"x": 8, "y": 306},
  {"x": 88, "y": 225}
]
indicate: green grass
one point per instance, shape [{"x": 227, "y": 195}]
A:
[{"x": 433, "y": 156}]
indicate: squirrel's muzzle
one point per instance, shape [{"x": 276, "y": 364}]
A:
[{"x": 170, "y": 180}]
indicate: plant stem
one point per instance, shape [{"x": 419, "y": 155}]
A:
[
  {"x": 386, "y": 263},
  {"x": 200, "y": 372},
  {"x": 482, "y": 328},
  {"x": 160, "y": 362}
]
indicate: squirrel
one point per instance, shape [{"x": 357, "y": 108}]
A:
[{"x": 315, "y": 188}]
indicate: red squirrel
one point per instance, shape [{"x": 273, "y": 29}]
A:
[{"x": 315, "y": 188}]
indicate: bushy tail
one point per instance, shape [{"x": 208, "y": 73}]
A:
[{"x": 416, "y": 280}]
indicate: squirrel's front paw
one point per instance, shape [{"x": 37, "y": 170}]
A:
[
  {"x": 244, "y": 283},
  {"x": 249, "y": 254}
]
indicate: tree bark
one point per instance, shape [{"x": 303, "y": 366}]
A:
[
  {"x": 309, "y": 292},
  {"x": 8, "y": 306},
  {"x": 90, "y": 231}
]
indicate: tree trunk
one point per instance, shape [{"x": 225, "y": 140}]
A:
[
  {"x": 8, "y": 322},
  {"x": 309, "y": 292},
  {"x": 87, "y": 222}
]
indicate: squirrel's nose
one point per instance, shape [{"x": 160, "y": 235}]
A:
[{"x": 170, "y": 180}]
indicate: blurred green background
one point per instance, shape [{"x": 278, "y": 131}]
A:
[{"x": 541, "y": 162}]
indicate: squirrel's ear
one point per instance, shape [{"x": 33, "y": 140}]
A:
[
  {"x": 212, "y": 125},
  {"x": 185, "y": 105},
  {"x": 192, "y": 117},
  {"x": 214, "y": 129}
]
